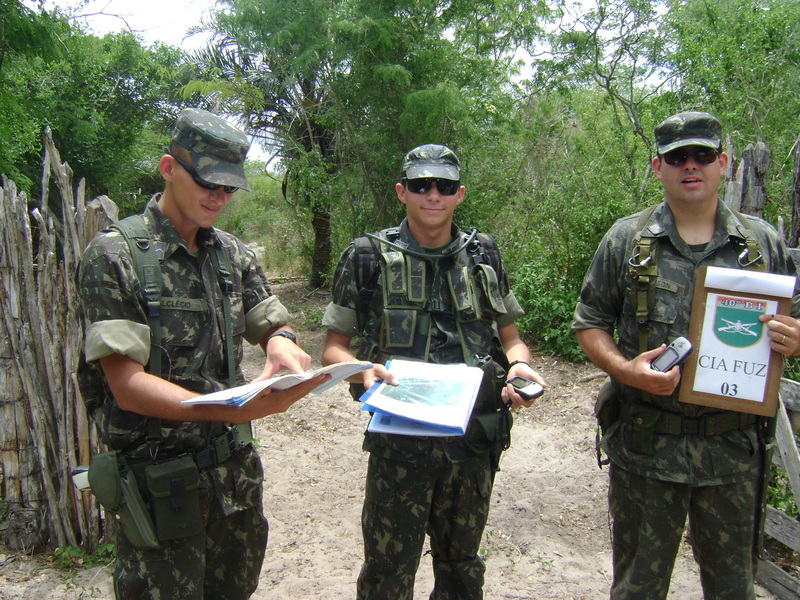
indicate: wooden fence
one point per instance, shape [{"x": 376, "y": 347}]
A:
[
  {"x": 44, "y": 430},
  {"x": 745, "y": 190}
]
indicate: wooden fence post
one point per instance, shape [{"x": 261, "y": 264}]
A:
[{"x": 746, "y": 179}]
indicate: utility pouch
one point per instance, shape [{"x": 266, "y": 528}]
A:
[
  {"x": 640, "y": 422},
  {"x": 114, "y": 486},
  {"x": 490, "y": 426},
  {"x": 175, "y": 498},
  {"x": 399, "y": 326}
]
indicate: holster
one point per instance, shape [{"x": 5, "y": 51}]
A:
[
  {"x": 607, "y": 413},
  {"x": 114, "y": 486}
]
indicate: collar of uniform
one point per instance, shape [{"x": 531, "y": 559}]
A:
[
  {"x": 405, "y": 235},
  {"x": 728, "y": 222},
  {"x": 659, "y": 222},
  {"x": 727, "y": 226}
]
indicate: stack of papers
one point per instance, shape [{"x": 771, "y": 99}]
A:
[
  {"x": 240, "y": 395},
  {"x": 432, "y": 400}
]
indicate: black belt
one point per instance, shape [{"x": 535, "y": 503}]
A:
[
  {"x": 710, "y": 424},
  {"x": 217, "y": 452},
  {"x": 223, "y": 446}
]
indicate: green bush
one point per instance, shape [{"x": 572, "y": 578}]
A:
[{"x": 549, "y": 302}]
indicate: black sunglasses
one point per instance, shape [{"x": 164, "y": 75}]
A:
[
  {"x": 446, "y": 187},
  {"x": 229, "y": 189},
  {"x": 679, "y": 156}
]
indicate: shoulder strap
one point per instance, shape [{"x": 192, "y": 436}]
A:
[
  {"x": 222, "y": 265},
  {"x": 483, "y": 249},
  {"x": 751, "y": 257},
  {"x": 643, "y": 268},
  {"x": 145, "y": 263},
  {"x": 148, "y": 271},
  {"x": 368, "y": 269}
]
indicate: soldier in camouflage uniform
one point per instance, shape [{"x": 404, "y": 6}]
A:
[
  {"x": 436, "y": 302},
  {"x": 671, "y": 459},
  {"x": 223, "y": 558}
]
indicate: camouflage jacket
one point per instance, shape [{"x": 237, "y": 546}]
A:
[
  {"x": 444, "y": 345},
  {"x": 192, "y": 328},
  {"x": 608, "y": 302}
]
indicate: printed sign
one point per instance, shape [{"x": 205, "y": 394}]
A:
[
  {"x": 733, "y": 366},
  {"x": 734, "y": 354}
]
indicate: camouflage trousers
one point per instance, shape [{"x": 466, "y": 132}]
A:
[
  {"x": 223, "y": 561},
  {"x": 649, "y": 517},
  {"x": 449, "y": 501}
]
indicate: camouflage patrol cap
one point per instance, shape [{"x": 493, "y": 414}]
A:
[
  {"x": 431, "y": 160},
  {"x": 688, "y": 129},
  {"x": 216, "y": 147}
]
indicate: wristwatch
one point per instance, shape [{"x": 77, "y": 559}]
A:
[{"x": 287, "y": 334}]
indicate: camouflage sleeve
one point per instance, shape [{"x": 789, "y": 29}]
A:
[
  {"x": 113, "y": 319},
  {"x": 340, "y": 314},
  {"x": 255, "y": 285},
  {"x": 513, "y": 310},
  {"x": 602, "y": 295},
  {"x": 270, "y": 313}
]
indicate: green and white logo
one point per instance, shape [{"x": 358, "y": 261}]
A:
[{"x": 736, "y": 321}]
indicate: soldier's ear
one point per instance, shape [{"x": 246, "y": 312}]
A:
[
  {"x": 401, "y": 192},
  {"x": 166, "y": 167}
]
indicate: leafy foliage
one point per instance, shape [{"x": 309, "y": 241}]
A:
[
  {"x": 780, "y": 493},
  {"x": 106, "y": 100},
  {"x": 550, "y": 106}
]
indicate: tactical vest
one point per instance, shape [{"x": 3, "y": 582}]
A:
[
  {"x": 644, "y": 262},
  {"x": 460, "y": 281}
]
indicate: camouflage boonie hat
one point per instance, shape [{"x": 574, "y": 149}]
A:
[
  {"x": 688, "y": 129},
  {"x": 431, "y": 160},
  {"x": 216, "y": 147}
]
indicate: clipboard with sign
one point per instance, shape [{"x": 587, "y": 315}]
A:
[{"x": 732, "y": 366}]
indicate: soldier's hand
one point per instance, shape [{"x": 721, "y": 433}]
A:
[
  {"x": 284, "y": 353},
  {"x": 270, "y": 402},
  {"x": 510, "y": 394},
  {"x": 376, "y": 373},
  {"x": 784, "y": 333},
  {"x": 639, "y": 374}
]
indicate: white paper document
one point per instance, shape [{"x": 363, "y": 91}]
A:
[
  {"x": 734, "y": 352},
  {"x": 429, "y": 400},
  {"x": 240, "y": 395}
]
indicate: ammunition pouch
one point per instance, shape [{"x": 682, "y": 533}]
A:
[
  {"x": 114, "y": 485},
  {"x": 175, "y": 498}
]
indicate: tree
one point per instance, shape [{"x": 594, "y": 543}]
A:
[
  {"x": 98, "y": 95},
  {"x": 341, "y": 90},
  {"x": 23, "y": 34}
]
